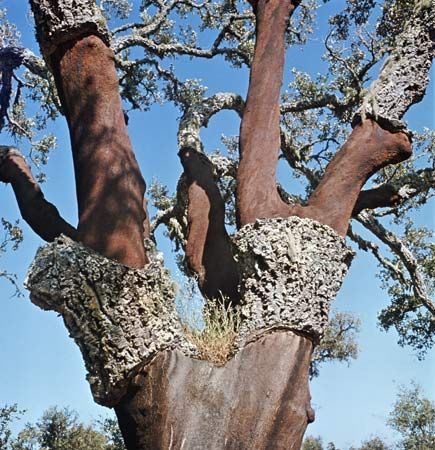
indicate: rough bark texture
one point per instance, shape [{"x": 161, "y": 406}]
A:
[
  {"x": 257, "y": 195},
  {"x": 110, "y": 187},
  {"x": 258, "y": 400},
  {"x": 62, "y": 21},
  {"x": 41, "y": 215},
  {"x": 405, "y": 75},
  {"x": 119, "y": 317},
  {"x": 291, "y": 269},
  {"x": 124, "y": 320}
]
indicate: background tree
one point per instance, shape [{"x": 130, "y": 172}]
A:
[
  {"x": 58, "y": 429},
  {"x": 110, "y": 205},
  {"x": 413, "y": 417}
]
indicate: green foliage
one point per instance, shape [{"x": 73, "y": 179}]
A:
[
  {"x": 58, "y": 429},
  {"x": 414, "y": 324},
  {"x": 339, "y": 342},
  {"x": 8, "y": 414},
  {"x": 117, "y": 8},
  {"x": 12, "y": 238},
  {"x": 312, "y": 443},
  {"x": 9, "y": 35},
  {"x": 375, "y": 443},
  {"x": 413, "y": 417}
]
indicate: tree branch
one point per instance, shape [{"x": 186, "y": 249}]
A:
[
  {"x": 110, "y": 188},
  {"x": 197, "y": 116},
  {"x": 327, "y": 100},
  {"x": 405, "y": 75},
  {"x": 257, "y": 195},
  {"x": 401, "y": 250},
  {"x": 176, "y": 48},
  {"x": 208, "y": 246},
  {"x": 380, "y": 137},
  {"x": 41, "y": 215}
]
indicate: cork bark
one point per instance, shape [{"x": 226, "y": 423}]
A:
[{"x": 140, "y": 362}]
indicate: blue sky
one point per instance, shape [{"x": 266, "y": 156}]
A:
[{"x": 40, "y": 366}]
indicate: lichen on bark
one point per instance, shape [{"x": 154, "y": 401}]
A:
[
  {"x": 405, "y": 75},
  {"x": 291, "y": 269},
  {"x": 120, "y": 317},
  {"x": 66, "y": 21}
]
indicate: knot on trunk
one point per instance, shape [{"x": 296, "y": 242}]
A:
[
  {"x": 291, "y": 269},
  {"x": 120, "y": 317}
]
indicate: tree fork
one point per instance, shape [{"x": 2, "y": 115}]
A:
[
  {"x": 110, "y": 188},
  {"x": 368, "y": 149}
]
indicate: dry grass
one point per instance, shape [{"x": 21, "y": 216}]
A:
[{"x": 215, "y": 339}]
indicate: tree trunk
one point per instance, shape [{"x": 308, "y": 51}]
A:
[
  {"x": 258, "y": 400},
  {"x": 140, "y": 362},
  {"x": 110, "y": 188}
]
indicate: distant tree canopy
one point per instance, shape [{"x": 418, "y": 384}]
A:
[
  {"x": 58, "y": 429},
  {"x": 412, "y": 417}
]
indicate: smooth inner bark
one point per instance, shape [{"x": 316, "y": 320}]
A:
[
  {"x": 41, "y": 215},
  {"x": 208, "y": 246},
  {"x": 258, "y": 400},
  {"x": 257, "y": 195},
  {"x": 110, "y": 187}
]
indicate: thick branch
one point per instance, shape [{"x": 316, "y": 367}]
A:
[
  {"x": 391, "y": 195},
  {"x": 259, "y": 132},
  {"x": 42, "y": 216},
  {"x": 110, "y": 187},
  {"x": 405, "y": 75},
  {"x": 367, "y": 150},
  {"x": 208, "y": 246}
]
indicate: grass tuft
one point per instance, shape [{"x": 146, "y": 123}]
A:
[{"x": 220, "y": 327}]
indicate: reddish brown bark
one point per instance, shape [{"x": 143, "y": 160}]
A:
[
  {"x": 208, "y": 247},
  {"x": 110, "y": 187},
  {"x": 257, "y": 195},
  {"x": 258, "y": 400},
  {"x": 381, "y": 197},
  {"x": 42, "y": 216},
  {"x": 368, "y": 149}
]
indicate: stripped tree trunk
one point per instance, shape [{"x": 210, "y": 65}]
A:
[{"x": 283, "y": 267}]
